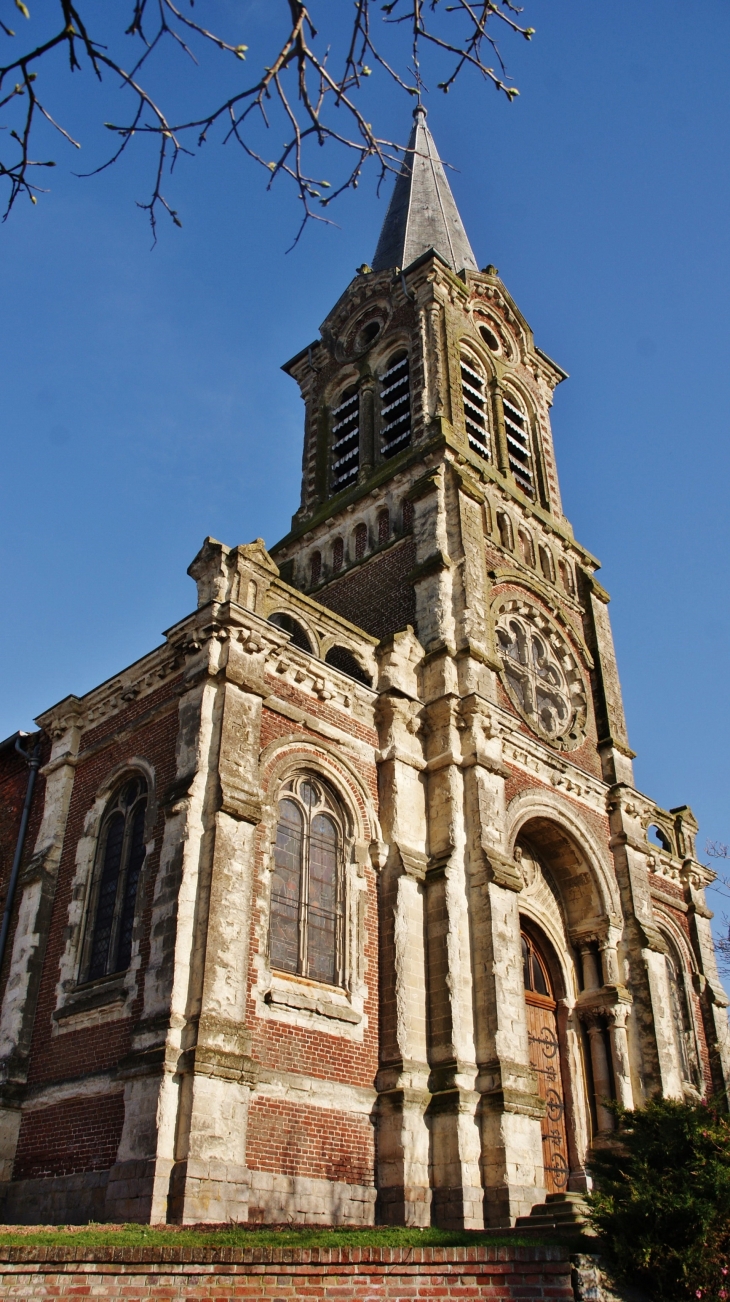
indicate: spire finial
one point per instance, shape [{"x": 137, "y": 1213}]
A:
[{"x": 422, "y": 214}]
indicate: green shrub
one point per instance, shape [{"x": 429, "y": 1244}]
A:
[{"x": 662, "y": 1199}]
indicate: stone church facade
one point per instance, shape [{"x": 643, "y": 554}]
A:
[{"x": 341, "y": 906}]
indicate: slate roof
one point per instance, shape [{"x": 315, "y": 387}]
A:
[{"x": 422, "y": 214}]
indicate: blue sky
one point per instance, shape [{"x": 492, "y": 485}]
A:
[{"x": 143, "y": 406}]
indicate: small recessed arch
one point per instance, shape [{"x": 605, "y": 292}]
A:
[
  {"x": 299, "y": 636},
  {"x": 657, "y": 837},
  {"x": 342, "y": 658}
]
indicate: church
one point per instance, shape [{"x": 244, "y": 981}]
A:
[{"x": 341, "y": 905}]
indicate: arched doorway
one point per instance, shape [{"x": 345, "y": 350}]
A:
[{"x": 545, "y": 1060}]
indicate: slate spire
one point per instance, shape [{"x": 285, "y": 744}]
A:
[{"x": 422, "y": 214}]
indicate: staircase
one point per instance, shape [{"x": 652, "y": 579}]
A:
[{"x": 565, "y": 1214}]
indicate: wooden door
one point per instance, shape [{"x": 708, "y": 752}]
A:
[{"x": 542, "y": 1032}]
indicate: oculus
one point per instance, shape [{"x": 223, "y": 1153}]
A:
[{"x": 541, "y": 674}]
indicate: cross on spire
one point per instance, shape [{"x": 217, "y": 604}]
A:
[{"x": 422, "y": 214}]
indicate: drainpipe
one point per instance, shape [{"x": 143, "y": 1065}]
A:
[{"x": 33, "y": 761}]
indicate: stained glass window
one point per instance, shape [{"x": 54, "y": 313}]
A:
[
  {"x": 114, "y": 890},
  {"x": 305, "y": 933}
]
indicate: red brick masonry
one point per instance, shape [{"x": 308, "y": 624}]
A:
[{"x": 273, "y": 1274}]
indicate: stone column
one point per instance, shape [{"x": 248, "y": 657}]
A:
[
  {"x": 589, "y": 964},
  {"x": 36, "y": 891},
  {"x": 620, "y": 1054},
  {"x": 601, "y": 1072}
]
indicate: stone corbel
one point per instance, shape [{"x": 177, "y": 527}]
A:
[
  {"x": 415, "y": 863},
  {"x": 378, "y": 855},
  {"x": 504, "y": 871}
]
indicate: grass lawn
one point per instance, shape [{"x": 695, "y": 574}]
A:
[{"x": 150, "y": 1236}]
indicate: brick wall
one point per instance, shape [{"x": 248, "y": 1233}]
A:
[
  {"x": 80, "y": 1134},
  {"x": 276, "y": 1275},
  {"x": 294, "y": 1139},
  {"x": 375, "y": 595}
]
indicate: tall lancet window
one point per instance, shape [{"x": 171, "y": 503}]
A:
[
  {"x": 474, "y": 395},
  {"x": 395, "y": 405},
  {"x": 346, "y": 439},
  {"x": 518, "y": 442},
  {"x": 307, "y": 907},
  {"x": 119, "y": 863}
]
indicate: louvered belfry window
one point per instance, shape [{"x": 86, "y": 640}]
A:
[
  {"x": 346, "y": 439},
  {"x": 305, "y": 932},
  {"x": 395, "y": 405},
  {"x": 518, "y": 443},
  {"x": 114, "y": 889},
  {"x": 474, "y": 395}
]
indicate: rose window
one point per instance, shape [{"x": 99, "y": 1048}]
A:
[{"x": 541, "y": 674}]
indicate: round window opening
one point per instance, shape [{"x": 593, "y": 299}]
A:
[
  {"x": 541, "y": 674},
  {"x": 368, "y": 334},
  {"x": 489, "y": 338}
]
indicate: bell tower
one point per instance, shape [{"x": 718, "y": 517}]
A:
[{"x": 522, "y": 947}]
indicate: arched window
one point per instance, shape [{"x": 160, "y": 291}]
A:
[
  {"x": 338, "y": 554},
  {"x": 346, "y": 439},
  {"x": 681, "y": 1020},
  {"x": 504, "y": 524},
  {"x": 518, "y": 442},
  {"x": 407, "y": 515},
  {"x": 119, "y": 863},
  {"x": 566, "y": 577},
  {"x": 547, "y": 564},
  {"x": 395, "y": 405},
  {"x": 383, "y": 525},
  {"x": 527, "y": 548},
  {"x": 292, "y": 626},
  {"x": 474, "y": 396},
  {"x": 361, "y": 541},
  {"x": 307, "y": 906},
  {"x": 315, "y": 568},
  {"x": 340, "y": 658}
]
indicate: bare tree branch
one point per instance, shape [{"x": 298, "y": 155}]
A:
[{"x": 303, "y": 85}]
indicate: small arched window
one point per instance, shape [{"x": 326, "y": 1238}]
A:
[
  {"x": 533, "y": 969},
  {"x": 299, "y": 637},
  {"x": 338, "y": 554},
  {"x": 395, "y": 405},
  {"x": 361, "y": 541},
  {"x": 346, "y": 439},
  {"x": 527, "y": 548},
  {"x": 474, "y": 396},
  {"x": 315, "y": 568},
  {"x": 407, "y": 515},
  {"x": 504, "y": 524},
  {"x": 383, "y": 525},
  {"x": 547, "y": 564},
  {"x": 518, "y": 442},
  {"x": 307, "y": 905},
  {"x": 120, "y": 857},
  {"x": 566, "y": 577},
  {"x": 340, "y": 658}
]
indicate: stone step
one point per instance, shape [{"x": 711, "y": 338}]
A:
[{"x": 566, "y": 1212}]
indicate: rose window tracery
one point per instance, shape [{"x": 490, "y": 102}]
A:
[{"x": 541, "y": 674}]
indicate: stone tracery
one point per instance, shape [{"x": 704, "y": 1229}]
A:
[{"x": 541, "y": 673}]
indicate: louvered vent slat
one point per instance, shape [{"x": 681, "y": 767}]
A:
[
  {"x": 395, "y": 409},
  {"x": 474, "y": 398}
]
